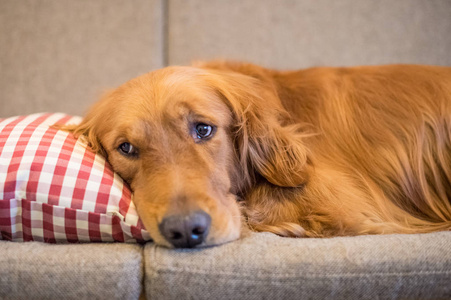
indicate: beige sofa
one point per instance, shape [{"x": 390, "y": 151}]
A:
[
  {"x": 60, "y": 56},
  {"x": 259, "y": 266}
]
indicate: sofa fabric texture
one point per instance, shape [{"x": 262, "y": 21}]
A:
[
  {"x": 265, "y": 266},
  {"x": 305, "y": 33},
  {"x": 35, "y": 270},
  {"x": 63, "y": 55},
  {"x": 259, "y": 266}
]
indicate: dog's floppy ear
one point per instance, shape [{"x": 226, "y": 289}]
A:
[
  {"x": 91, "y": 126},
  {"x": 266, "y": 140}
]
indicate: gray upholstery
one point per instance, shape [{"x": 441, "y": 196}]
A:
[
  {"x": 84, "y": 271},
  {"x": 302, "y": 33},
  {"x": 265, "y": 266},
  {"x": 62, "y": 55},
  {"x": 259, "y": 266}
]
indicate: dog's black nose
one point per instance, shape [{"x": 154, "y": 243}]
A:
[{"x": 186, "y": 231}]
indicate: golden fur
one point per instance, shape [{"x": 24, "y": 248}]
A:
[{"x": 316, "y": 152}]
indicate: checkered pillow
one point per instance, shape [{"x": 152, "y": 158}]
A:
[{"x": 53, "y": 189}]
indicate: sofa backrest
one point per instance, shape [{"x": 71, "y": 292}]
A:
[{"x": 62, "y": 55}]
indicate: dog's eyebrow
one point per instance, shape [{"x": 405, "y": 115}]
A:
[
  {"x": 133, "y": 132},
  {"x": 192, "y": 112},
  {"x": 198, "y": 117}
]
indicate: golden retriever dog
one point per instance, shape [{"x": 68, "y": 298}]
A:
[{"x": 319, "y": 152}]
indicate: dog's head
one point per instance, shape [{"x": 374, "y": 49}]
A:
[{"x": 189, "y": 140}]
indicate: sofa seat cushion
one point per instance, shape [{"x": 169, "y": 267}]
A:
[
  {"x": 265, "y": 266},
  {"x": 86, "y": 271},
  {"x": 53, "y": 189}
]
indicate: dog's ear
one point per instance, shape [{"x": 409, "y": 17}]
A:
[
  {"x": 92, "y": 125},
  {"x": 266, "y": 140}
]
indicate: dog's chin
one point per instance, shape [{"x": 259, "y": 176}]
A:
[{"x": 216, "y": 241}]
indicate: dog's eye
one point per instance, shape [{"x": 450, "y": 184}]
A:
[
  {"x": 128, "y": 149},
  {"x": 203, "y": 131}
]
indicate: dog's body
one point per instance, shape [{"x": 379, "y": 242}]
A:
[{"x": 317, "y": 152}]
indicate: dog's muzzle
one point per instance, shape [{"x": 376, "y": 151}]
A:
[{"x": 186, "y": 231}]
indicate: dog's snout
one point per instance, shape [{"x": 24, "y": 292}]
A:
[{"x": 186, "y": 231}]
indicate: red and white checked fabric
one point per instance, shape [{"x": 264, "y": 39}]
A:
[{"x": 53, "y": 189}]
